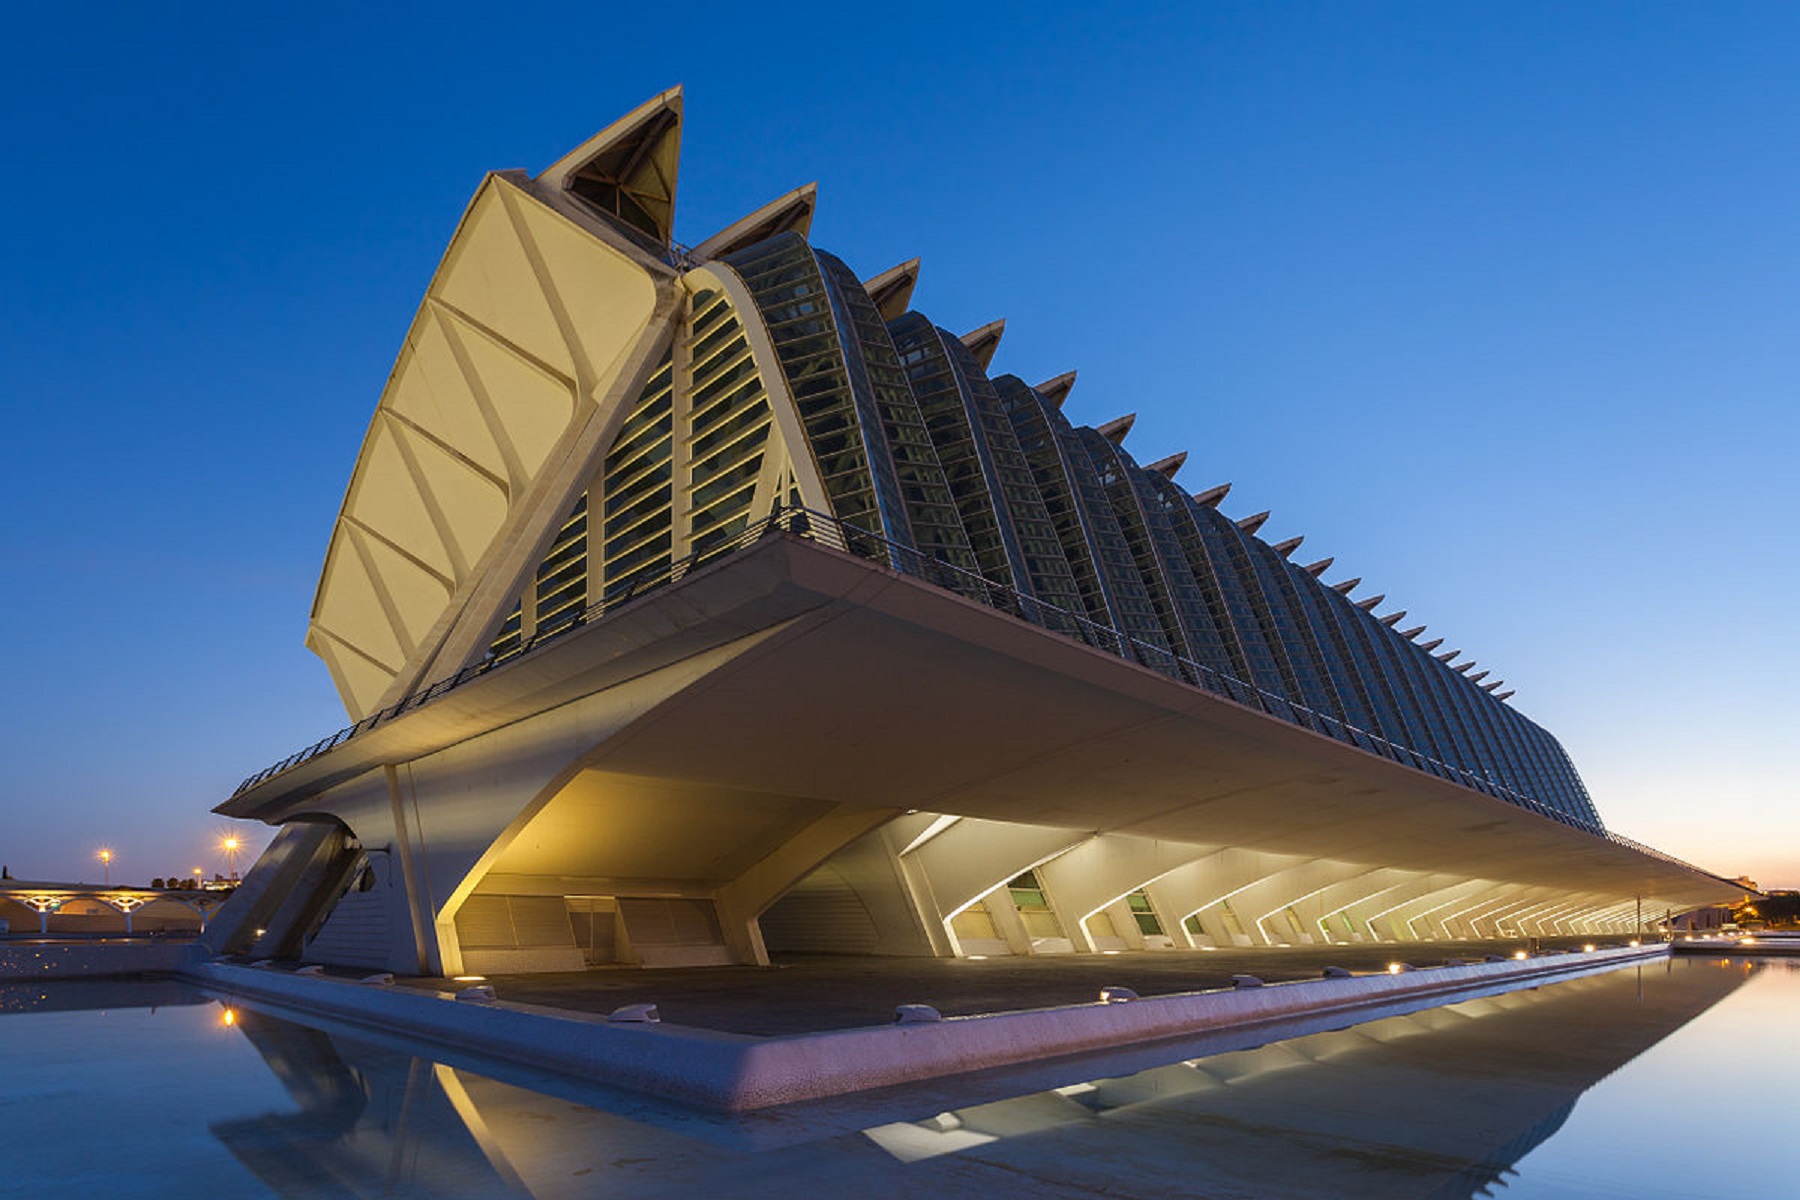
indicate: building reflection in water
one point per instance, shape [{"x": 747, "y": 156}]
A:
[{"x": 1434, "y": 1105}]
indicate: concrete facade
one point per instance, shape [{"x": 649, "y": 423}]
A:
[{"x": 691, "y": 604}]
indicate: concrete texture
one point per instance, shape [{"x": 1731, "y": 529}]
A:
[
  {"x": 814, "y": 993},
  {"x": 737, "y": 1073}
]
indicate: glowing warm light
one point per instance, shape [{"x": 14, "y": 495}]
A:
[
  {"x": 1748, "y": 941},
  {"x": 469, "y": 978},
  {"x": 1393, "y": 968},
  {"x": 977, "y": 958},
  {"x": 1109, "y": 952},
  {"x": 228, "y": 1018},
  {"x": 1589, "y": 947},
  {"x": 1635, "y": 943},
  {"x": 105, "y": 856},
  {"x": 1520, "y": 954}
]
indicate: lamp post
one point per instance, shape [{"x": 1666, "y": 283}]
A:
[
  {"x": 199, "y": 874},
  {"x": 231, "y": 846},
  {"x": 105, "y": 856}
]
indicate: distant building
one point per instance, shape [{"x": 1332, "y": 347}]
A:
[{"x": 693, "y": 601}]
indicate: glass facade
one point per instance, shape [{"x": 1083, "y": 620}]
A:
[{"x": 984, "y": 485}]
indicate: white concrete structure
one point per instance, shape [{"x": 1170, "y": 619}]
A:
[{"x": 689, "y": 602}]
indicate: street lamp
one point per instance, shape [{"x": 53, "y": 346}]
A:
[
  {"x": 231, "y": 845},
  {"x": 198, "y": 873},
  {"x": 105, "y": 856}
]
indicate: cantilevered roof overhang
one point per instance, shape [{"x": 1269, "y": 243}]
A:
[{"x": 861, "y": 685}]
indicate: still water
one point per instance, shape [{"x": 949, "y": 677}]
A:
[{"x": 1674, "y": 1080}]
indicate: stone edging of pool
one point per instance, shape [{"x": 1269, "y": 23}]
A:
[{"x": 738, "y": 1073}]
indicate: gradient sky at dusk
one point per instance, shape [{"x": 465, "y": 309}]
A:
[{"x": 1495, "y": 303}]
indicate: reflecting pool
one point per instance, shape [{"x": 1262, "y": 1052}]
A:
[{"x": 1671, "y": 1080}]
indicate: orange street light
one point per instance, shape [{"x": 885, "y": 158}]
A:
[
  {"x": 231, "y": 845},
  {"x": 106, "y": 856}
]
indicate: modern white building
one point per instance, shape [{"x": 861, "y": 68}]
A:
[{"x": 693, "y": 602}]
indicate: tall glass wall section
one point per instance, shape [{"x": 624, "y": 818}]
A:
[{"x": 916, "y": 443}]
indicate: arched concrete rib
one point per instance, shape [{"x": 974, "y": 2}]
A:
[
  {"x": 1115, "y": 430},
  {"x": 628, "y": 170},
  {"x": 1317, "y": 569},
  {"x": 1166, "y": 467},
  {"x": 1056, "y": 390},
  {"x": 1212, "y": 495},
  {"x": 1288, "y": 547},
  {"x": 984, "y": 341},
  {"x": 1254, "y": 522},
  {"x": 892, "y": 289},
  {"x": 794, "y": 211}
]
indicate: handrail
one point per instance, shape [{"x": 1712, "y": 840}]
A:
[{"x": 836, "y": 534}]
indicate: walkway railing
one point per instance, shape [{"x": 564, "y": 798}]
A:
[{"x": 840, "y": 535}]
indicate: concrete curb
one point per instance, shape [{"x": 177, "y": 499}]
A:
[{"x": 736, "y": 1073}]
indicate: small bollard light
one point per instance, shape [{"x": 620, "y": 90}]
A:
[
  {"x": 481, "y": 993},
  {"x": 1338, "y": 973},
  {"x": 1246, "y": 981},
  {"x": 1520, "y": 955},
  {"x": 635, "y": 1014},
  {"x": 1116, "y": 995},
  {"x": 1634, "y": 943},
  {"x": 915, "y": 1014},
  {"x": 1588, "y": 948},
  {"x": 1394, "y": 968}
]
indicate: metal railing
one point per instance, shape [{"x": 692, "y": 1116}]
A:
[{"x": 828, "y": 530}]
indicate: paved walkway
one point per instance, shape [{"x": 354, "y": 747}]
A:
[{"x": 811, "y": 993}]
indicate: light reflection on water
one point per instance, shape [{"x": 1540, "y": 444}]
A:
[{"x": 1661, "y": 1081}]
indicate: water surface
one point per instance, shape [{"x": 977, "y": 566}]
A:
[{"x": 1669, "y": 1080}]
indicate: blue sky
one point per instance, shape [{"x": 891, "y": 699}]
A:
[{"x": 1495, "y": 303}]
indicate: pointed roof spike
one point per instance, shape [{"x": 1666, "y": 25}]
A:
[
  {"x": 1288, "y": 547},
  {"x": 1414, "y": 632},
  {"x": 984, "y": 341},
  {"x": 1166, "y": 467},
  {"x": 1478, "y": 676},
  {"x": 628, "y": 169},
  {"x": 1346, "y": 587},
  {"x": 1212, "y": 495},
  {"x": 1114, "y": 431},
  {"x": 1254, "y": 522},
  {"x": 793, "y": 211},
  {"x": 1369, "y": 604},
  {"x": 1447, "y": 655},
  {"x": 1392, "y": 619},
  {"x": 1463, "y": 666},
  {"x": 1057, "y": 390},
  {"x": 1317, "y": 569},
  {"x": 1505, "y": 695},
  {"x": 1489, "y": 687},
  {"x": 892, "y": 289},
  {"x": 1433, "y": 644}
]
